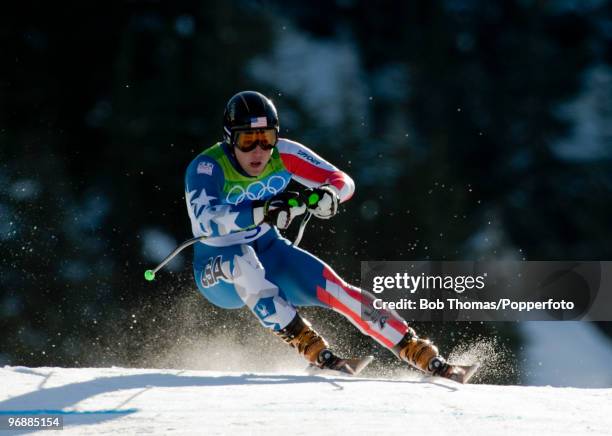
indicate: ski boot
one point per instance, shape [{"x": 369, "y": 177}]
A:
[
  {"x": 459, "y": 373},
  {"x": 300, "y": 335},
  {"x": 328, "y": 361},
  {"x": 423, "y": 355}
]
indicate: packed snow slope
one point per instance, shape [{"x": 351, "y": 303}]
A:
[{"x": 152, "y": 401}]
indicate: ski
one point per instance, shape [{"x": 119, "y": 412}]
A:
[
  {"x": 459, "y": 373},
  {"x": 351, "y": 367}
]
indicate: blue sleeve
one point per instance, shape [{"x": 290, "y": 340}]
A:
[{"x": 209, "y": 215}]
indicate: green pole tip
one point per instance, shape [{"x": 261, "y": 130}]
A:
[{"x": 149, "y": 275}]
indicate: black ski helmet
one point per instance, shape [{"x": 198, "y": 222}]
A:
[{"x": 248, "y": 110}]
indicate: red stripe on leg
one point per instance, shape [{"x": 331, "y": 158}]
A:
[
  {"x": 397, "y": 324},
  {"x": 329, "y": 299},
  {"x": 323, "y": 295}
]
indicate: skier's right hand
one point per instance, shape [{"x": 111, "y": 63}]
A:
[{"x": 280, "y": 210}]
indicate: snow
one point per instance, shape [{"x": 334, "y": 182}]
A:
[{"x": 153, "y": 401}]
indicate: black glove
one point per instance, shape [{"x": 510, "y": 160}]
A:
[
  {"x": 322, "y": 201},
  {"x": 279, "y": 210}
]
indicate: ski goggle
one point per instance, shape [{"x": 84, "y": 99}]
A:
[{"x": 248, "y": 140}]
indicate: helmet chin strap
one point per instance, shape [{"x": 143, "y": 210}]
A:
[{"x": 231, "y": 148}]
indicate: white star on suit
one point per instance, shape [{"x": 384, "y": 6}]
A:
[
  {"x": 201, "y": 201},
  {"x": 225, "y": 220}
]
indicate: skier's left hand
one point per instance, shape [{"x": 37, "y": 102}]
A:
[{"x": 322, "y": 201}]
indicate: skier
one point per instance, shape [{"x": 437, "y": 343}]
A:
[{"x": 235, "y": 194}]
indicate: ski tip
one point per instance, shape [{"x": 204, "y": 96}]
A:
[
  {"x": 359, "y": 364},
  {"x": 467, "y": 372},
  {"x": 349, "y": 367},
  {"x": 471, "y": 371}
]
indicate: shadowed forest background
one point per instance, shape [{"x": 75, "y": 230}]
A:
[{"x": 474, "y": 130}]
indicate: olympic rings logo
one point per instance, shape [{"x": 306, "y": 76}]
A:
[{"x": 256, "y": 190}]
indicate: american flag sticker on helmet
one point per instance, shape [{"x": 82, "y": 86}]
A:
[{"x": 259, "y": 122}]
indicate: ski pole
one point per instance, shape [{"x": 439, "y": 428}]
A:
[
  {"x": 312, "y": 199},
  {"x": 150, "y": 273},
  {"x": 305, "y": 220}
]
